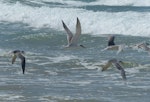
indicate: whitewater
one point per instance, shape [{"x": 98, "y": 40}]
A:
[{"x": 122, "y": 18}]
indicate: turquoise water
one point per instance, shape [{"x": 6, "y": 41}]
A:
[{"x": 55, "y": 74}]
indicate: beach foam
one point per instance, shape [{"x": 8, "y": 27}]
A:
[{"x": 95, "y": 23}]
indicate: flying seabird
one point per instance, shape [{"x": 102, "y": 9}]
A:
[
  {"x": 112, "y": 46},
  {"x": 117, "y": 64},
  {"x": 144, "y": 46},
  {"x": 18, "y": 53},
  {"x": 73, "y": 39}
]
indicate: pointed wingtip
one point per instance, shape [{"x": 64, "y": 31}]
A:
[
  {"x": 78, "y": 27},
  {"x": 64, "y": 25},
  {"x": 23, "y": 72},
  {"x": 123, "y": 74},
  {"x": 124, "y": 77},
  {"x": 78, "y": 21},
  {"x": 63, "y": 22},
  {"x": 23, "y": 65}
]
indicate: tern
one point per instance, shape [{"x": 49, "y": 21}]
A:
[
  {"x": 112, "y": 46},
  {"x": 73, "y": 39},
  {"x": 18, "y": 53},
  {"x": 143, "y": 45},
  {"x": 117, "y": 64}
]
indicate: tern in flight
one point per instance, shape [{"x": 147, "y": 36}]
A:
[
  {"x": 73, "y": 39},
  {"x": 144, "y": 46},
  {"x": 112, "y": 46},
  {"x": 141, "y": 46},
  {"x": 18, "y": 53},
  {"x": 117, "y": 64}
]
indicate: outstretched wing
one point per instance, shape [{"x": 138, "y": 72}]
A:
[
  {"x": 104, "y": 67},
  {"x": 23, "y": 62},
  {"x": 78, "y": 32},
  {"x": 69, "y": 33},
  {"x": 119, "y": 67},
  {"x": 14, "y": 58},
  {"x": 111, "y": 41},
  {"x": 123, "y": 74}
]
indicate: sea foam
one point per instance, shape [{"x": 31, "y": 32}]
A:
[{"x": 94, "y": 23}]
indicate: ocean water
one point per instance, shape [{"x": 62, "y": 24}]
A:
[{"x": 55, "y": 74}]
